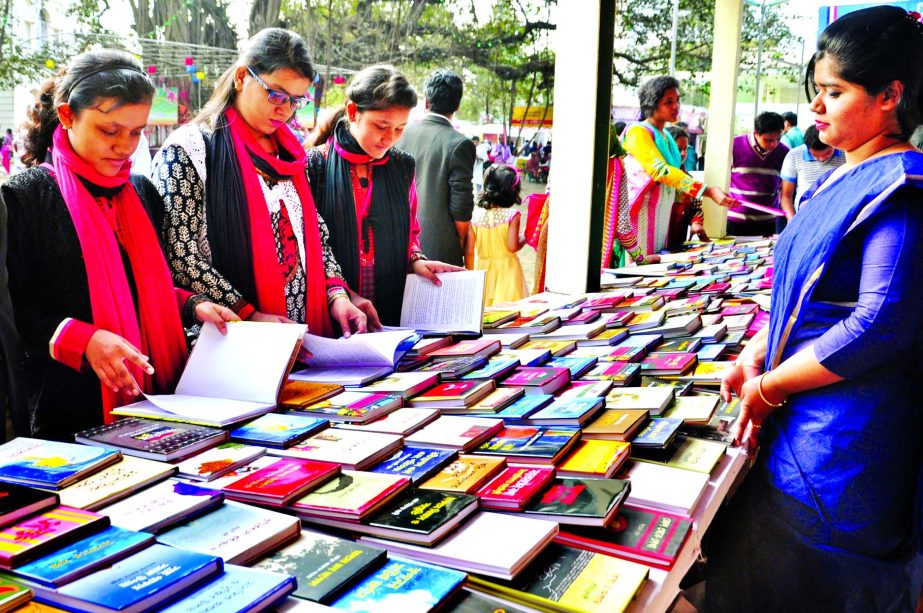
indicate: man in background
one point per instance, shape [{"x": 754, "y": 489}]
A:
[
  {"x": 756, "y": 159},
  {"x": 803, "y": 166},
  {"x": 445, "y": 163},
  {"x": 481, "y": 163},
  {"x": 792, "y": 135}
]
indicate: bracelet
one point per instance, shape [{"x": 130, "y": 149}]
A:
[
  {"x": 336, "y": 292},
  {"x": 416, "y": 256},
  {"x": 748, "y": 364},
  {"x": 759, "y": 390}
]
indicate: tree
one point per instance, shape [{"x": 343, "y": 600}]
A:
[{"x": 198, "y": 22}]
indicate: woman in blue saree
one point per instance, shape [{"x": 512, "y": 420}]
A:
[{"x": 830, "y": 516}]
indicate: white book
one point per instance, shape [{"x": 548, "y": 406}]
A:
[
  {"x": 402, "y": 421},
  {"x": 456, "y": 432},
  {"x": 455, "y": 306},
  {"x": 490, "y": 544},
  {"x": 160, "y": 506},
  {"x": 576, "y": 332},
  {"x": 350, "y": 448},
  {"x": 371, "y": 349},
  {"x": 114, "y": 483},
  {"x": 675, "y": 490},
  {"x": 217, "y": 461}
]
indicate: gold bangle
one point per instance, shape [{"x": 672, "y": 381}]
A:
[{"x": 759, "y": 390}]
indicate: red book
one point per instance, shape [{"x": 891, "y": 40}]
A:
[
  {"x": 538, "y": 380},
  {"x": 603, "y": 303},
  {"x": 454, "y": 394},
  {"x": 37, "y": 535},
  {"x": 480, "y": 346},
  {"x": 740, "y": 309},
  {"x": 716, "y": 288},
  {"x": 583, "y": 317},
  {"x": 282, "y": 481},
  {"x": 667, "y": 363},
  {"x": 515, "y": 487}
]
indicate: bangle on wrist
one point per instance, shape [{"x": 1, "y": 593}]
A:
[{"x": 759, "y": 390}]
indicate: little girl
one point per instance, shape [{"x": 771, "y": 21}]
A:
[{"x": 493, "y": 236}]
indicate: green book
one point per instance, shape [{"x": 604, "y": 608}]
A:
[
  {"x": 581, "y": 502},
  {"x": 422, "y": 516}
]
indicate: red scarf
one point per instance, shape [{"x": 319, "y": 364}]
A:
[
  {"x": 156, "y": 330},
  {"x": 267, "y": 270}
]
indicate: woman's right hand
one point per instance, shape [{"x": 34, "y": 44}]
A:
[
  {"x": 106, "y": 353},
  {"x": 720, "y": 197},
  {"x": 269, "y": 317}
]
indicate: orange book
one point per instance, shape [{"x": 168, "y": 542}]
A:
[
  {"x": 465, "y": 475},
  {"x": 595, "y": 458}
]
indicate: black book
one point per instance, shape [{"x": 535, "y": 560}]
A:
[
  {"x": 153, "y": 440},
  {"x": 422, "y": 517},
  {"x": 581, "y": 502},
  {"x": 19, "y": 501}
]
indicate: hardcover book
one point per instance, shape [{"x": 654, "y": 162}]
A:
[
  {"x": 278, "y": 429},
  {"x": 237, "y": 533},
  {"x": 538, "y": 380},
  {"x": 459, "y": 394},
  {"x": 582, "y": 502},
  {"x": 594, "y": 459},
  {"x": 401, "y": 422},
  {"x": 237, "y": 590},
  {"x": 35, "y": 536},
  {"x": 114, "y": 483},
  {"x": 532, "y": 444},
  {"x": 19, "y": 501},
  {"x": 161, "y": 506},
  {"x": 404, "y": 384},
  {"x": 417, "y": 463},
  {"x": 402, "y": 585},
  {"x": 495, "y": 368},
  {"x": 349, "y": 448},
  {"x": 297, "y": 394},
  {"x": 658, "y": 433},
  {"x": 654, "y": 400},
  {"x": 465, "y": 475},
  {"x": 85, "y": 556},
  {"x": 322, "y": 564},
  {"x": 352, "y": 495},
  {"x": 281, "y": 482},
  {"x": 218, "y": 461},
  {"x": 567, "y": 412},
  {"x": 152, "y": 440},
  {"x": 513, "y": 488},
  {"x": 423, "y": 517},
  {"x": 50, "y": 464},
  {"x": 353, "y": 407},
  {"x": 615, "y": 425},
  {"x": 455, "y": 432}
]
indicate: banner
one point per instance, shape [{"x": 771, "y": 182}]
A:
[
  {"x": 533, "y": 119},
  {"x": 165, "y": 108}
]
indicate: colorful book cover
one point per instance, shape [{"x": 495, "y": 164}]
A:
[
  {"x": 657, "y": 433},
  {"x": 478, "y": 346},
  {"x": 217, "y": 461},
  {"x": 453, "y": 368},
  {"x": 349, "y": 448},
  {"x": 417, "y": 463},
  {"x": 581, "y": 501},
  {"x": 524, "y": 407},
  {"x": 402, "y": 421},
  {"x": 557, "y": 348},
  {"x": 30, "y": 461},
  {"x": 147, "y": 438},
  {"x": 513, "y": 488},
  {"x": 351, "y": 495},
  {"x": 683, "y": 344},
  {"x": 85, "y": 556},
  {"x": 495, "y": 368},
  {"x": 667, "y": 363},
  {"x": 543, "y": 444},
  {"x": 568, "y": 411},
  {"x": 594, "y": 458},
  {"x": 586, "y": 389},
  {"x": 711, "y": 352},
  {"x": 18, "y": 501},
  {"x": 13, "y": 594},
  {"x": 278, "y": 429},
  {"x": 353, "y": 406},
  {"x": 611, "y": 354},
  {"x": 525, "y": 376},
  {"x": 298, "y": 394},
  {"x": 498, "y": 399},
  {"x": 643, "y": 341},
  {"x": 235, "y": 532},
  {"x": 492, "y": 319},
  {"x": 687, "y": 453},
  {"x": 322, "y": 564},
  {"x": 162, "y": 505},
  {"x": 281, "y": 481},
  {"x": 615, "y": 424},
  {"x": 138, "y": 582},
  {"x": 455, "y": 432},
  {"x": 402, "y": 585},
  {"x": 576, "y": 366},
  {"x": 620, "y": 373},
  {"x": 455, "y": 393},
  {"x": 423, "y": 511},
  {"x": 528, "y": 357},
  {"x": 114, "y": 483},
  {"x": 647, "y": 319},
  {"x": 653, "y": 399},
  {"x": 31, "y": 538},
  {"x": 238, "y": 590},
  {"x": 465, "y": 475}
]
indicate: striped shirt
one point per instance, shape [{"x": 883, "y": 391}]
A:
[
  {"x": 803, "y": 169},
  {"x": 754, "y": 177}
]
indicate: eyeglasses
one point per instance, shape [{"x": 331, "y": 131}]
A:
[{"x": 279, "y": 98}]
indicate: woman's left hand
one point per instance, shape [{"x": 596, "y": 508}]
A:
[
  {"x": 351, "y": 319},
  {"x": 429, "y": 268},
  {"x": 753, "y": 413},
  {"x": 372, "y": 323},
  {"x": 209, "y": 312}
]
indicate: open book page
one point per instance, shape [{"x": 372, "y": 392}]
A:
[
  {"x": 371, "y": 349},
  {"x": 457, "y": 306},
  {"x": 199, "y": 408}
]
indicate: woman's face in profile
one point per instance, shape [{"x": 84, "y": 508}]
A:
[{"x": 377, "y": 131}]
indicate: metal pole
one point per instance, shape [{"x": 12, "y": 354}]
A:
[
  {"x": 673, "y": 38},
  {"x": 801, "y": 72},
  {"x": 759, "y": 60}
]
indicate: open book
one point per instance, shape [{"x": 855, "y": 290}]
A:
[
  {"x": 228, "y": 378},
  {"x": 455, "y": 307},
  {"x": 355, "y": 360}
]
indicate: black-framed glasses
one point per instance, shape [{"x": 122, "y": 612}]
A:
[{"x": 279, "y": 98}]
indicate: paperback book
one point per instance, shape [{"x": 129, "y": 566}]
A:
[
  {"x": 152, "y": 440},
  {"x": 37, "y": 535},
  {"x": 352, "y": 495},
  {"x": 115, "y": 482},
  {"x": 50, "y": 464},
  {"x": 416, "y": 463},
  {"x": 350, "y": 448},
  {"x": 401, "y": 422},
  {"x": 465, "y": 474},
  {"x": 237, "y": 590},
  {"x": 281, "y": 482},
  {"x": 161, "y": 506},
  {"x": 278, "y": 430},
  {"x": 218, "y": 461},
  {"x": 402, "y": 585},
  {"x": 515, "y": 487},
  {"x": 353, "y": 407},
  {"x": 582, "y": 502}
]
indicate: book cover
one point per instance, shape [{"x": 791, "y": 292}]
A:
[
  {"x": 525, "y": 406},
  {"x": 651, "y": 399},
  {"x": 693, "y": 410},
  {"x": 606, "y": 338},
  {"x": 114, "y": 483},
  {"x": 611, "y": 354},
  {"x": 585, "y": 389},
  {"x": 404, "y": 384},
  {"x": 402, "y": 585},
  {"x": 615, "y": 424},
  {"x": 538, "y": 380},
  {"x": 354, "y": 407},
  {"x": 417, "y": 463},
  {"x": 154, "y": 440},
  {"x": 350, "y": 495},
  {"x": 282, "y": 481},
  {"x": 322, "y": 564},
  {"x": 350, "y": 448},
  {"x": 646, "y": 320},
  {"x": 455, "y": 432},
  {"x": 594, "y": 458},
  {"x": 35, "y": 536},
  {"x": 685, "y": 452},
  {"x": 217, "y": 461},
  {"x": 12, "y": 594},
  {"x": 465, "y": 474},
  {"x": 50, "y": 464},
  {"x": 498, "y": 400},
  {"x": 528, "y": 357},
  {"x": 162, "y": 505},
  {"x": 139, "y": 582},
  {"x": 85, "y": 556},
  {"x": 473, "y": 347},
  {"x": 642, "y": 341},
  {"x": 540, "y": 444},
  {"x": 709, "y": 373},
  {"x": 567, "y": 412},
  {"x": 592, "y": 502},
  {"x": 237, "y": 590},
  {"x": 658, "y": 433},
  {"x": 235, "y": 532},
  {"x": 674, "y": 490},
  {"x": 278, "y": 429},
  {"x": 454, "y": 394},
  {"x": 667, "y": 363},
  {"x": 299, "y": 394},
  {"x": 425, "y": 346},
  {"x": 557, "y": 348},
  {"x": 620, "y": 373},
  {"x": 514, "y": 487},
  {"x": 18, "y": 501},
  {"x": 423, "y": 512},
  {"x": 681, "y": 344},
  {"x": 231, "y": 476},
  {"x": 711, "y": 352},
  {"x": 402, "y": 421},
  {"x": 495, "y": 368},
  {"x": 493, "y": 319},
  {"x": 453, "y": 368},
  {"x": 577, "y": 366}
]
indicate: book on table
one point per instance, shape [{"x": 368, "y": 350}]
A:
[
  {"x": 115, "y": 482},
  {"x": 608, "y": 337},
  {"x": 354, "y": 360},
  {"x": 456, "y": 432},
  {"x": 585, "y": 389},
  {"x": 352, "y": 407},
  {"x": 496, "y": 401},
  {"x": 652, "y": 399},
  {"x": 457, "y": 306},
  {"x": 278, "y": 429},
  {"x": 577, "y": 366},
  {"x": 615, "y": 425},
  {"x": 685, "y": 452},
  {"x": 656, "y": 364},
  {"x": 151, "y": 439},
  {"x": 19, "y": 501},
  {"x": 465, "y": 474},
  {"x": 514, "y": 487},
  {"x": 494, "y": 318},
  {"x": 536, "y": 324},
  {"x": 404, "y": 384},
  {"x": 693, "y": 410},
  {"x": 254, "y": 465},
  {"x": 556, "y": 347},
  {"x": 217, "y": 461},
  {"x": 298, "y": 394},
  {"x": 417, "y": 463},
  {"x": 538, "y": 380},
  {"x": 453, "y": 394},
  {"x": 525, "y": 406},
  {"x": 281, "y": 482},
  {"x": 679, "y": 344},
  {"x": 228, "y": 378},
  {"x": 496, "y": 367},
  {"x": 402, "y": 585},
  {"x": 50, "y": 464},
  {"x": 323, "y": 565},
  {"x": 35, "y": 536},
  {"x": 453, "y": 368},
  {"x": 402, "y": 422},
  {"x": 657, "y": 434},
  {"x": 483, "y": 347},
  {"x": 582, "y": 502},
  {"x": 162, "y": 506},
  {"x": 566, "y": 412},
  {"x": 574, "y": 332},
  {"x": 599, "y": 459},
  {"x": 351, "y": 495},
  {"x": 531, "y": 444},
  {"x": 352, "y": 449},
  {"x": 239, "y": 589},
  {"x": 527, "y": 357},
  {"x": 674, "y": 490},
  {"x": 619, "y": 373}
]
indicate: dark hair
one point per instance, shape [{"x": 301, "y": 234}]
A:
[
  {"x": 267, "y": 51},
  {"x": 9, "y": 130},
  {"x": 443, "y": 90},
  {"x": 790, "y": 118},
  {"x": 768, "y": 122},
  {"x": 476, "y": 138},
  {"x": 677, "y": 132},
  {"x": 652, "y": 91},
  {"x": 501, "y": 187},
  {"x": 873, "y": 47},
  {"x": 619, "y": 128},
  {"x": 88, "y": 79},
  {"x": 812, "y": 139},
  {"x": 375, "y": 88}
]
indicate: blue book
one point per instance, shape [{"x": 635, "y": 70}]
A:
[
  {"x": 711, "y": 352},
  {"x": 51, "y": 464},
  {"x": 237, "y": 590},
  {"x": 138, "y": 583},
  {"x": 577, "y": 366},
  {"x": 568, "y": 412},
  {"x": 85, "y": 556},
  {"x": 279, "y": 430},
  {"x": 523, "y": 407},
  {"x": 495, "y": 368},
  {"x": 644, "y": 341},
  {"x": 418, "y": 463},
  {"x": 532, "y": 444},
  {"x": 658, "y": 433},
  {"x": 402, "y": 585}
]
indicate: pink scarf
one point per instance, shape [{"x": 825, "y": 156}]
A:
[{"x": 156, "y": 328}]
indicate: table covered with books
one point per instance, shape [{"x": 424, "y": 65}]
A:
[{"x": 562, "y": 453}]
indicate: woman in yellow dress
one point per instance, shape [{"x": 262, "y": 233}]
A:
[{"x": 493, "y": 236}]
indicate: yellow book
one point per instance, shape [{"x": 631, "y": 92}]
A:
[
  {"x": 595, "y": 458},
  {"x": 693, "y": 410},
  {"x": 557, "y": 348},
  {"x": 465, "y": 474},
  {"x": 114, "y": 483}
]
